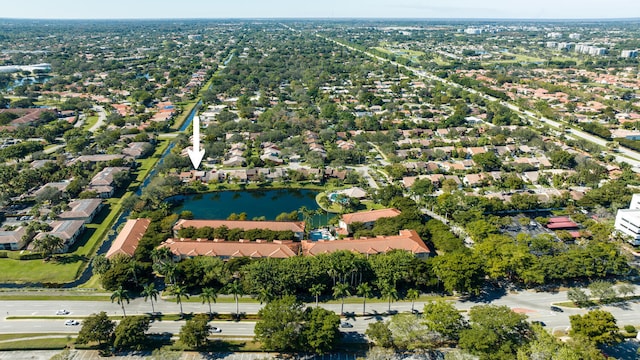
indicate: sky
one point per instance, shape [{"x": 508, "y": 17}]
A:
[{"x": 428, "y": 9}]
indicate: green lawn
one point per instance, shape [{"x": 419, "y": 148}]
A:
[
  {"x": 37, "y": 344},
  {"x": 91, "y": 120},
  {"x": 21, "y": 271},
  {"x": 188, "y": 107},
  {"x": 54, "y": 296},
  {"x": 21, "y": 336}
]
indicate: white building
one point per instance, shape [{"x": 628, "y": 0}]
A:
[
  {"x": 628, "y": 221},
  {"x": 590, "y": 49},
  {"x": 33, "y": 68},
  {"x": 629, "y": 54},
  {"x": 554, "y": 35},
  {"x": 473, "y": 31}
]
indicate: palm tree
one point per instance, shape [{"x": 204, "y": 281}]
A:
[
  {"x": 390, "y": 292},
  {"x": 340, "y": 291},
  {"x": 236, "y": 289},
  {"x": 207, "y": 295},
  {"x": 318, "y": 213},
  {"x": 179, "y": 292},
  {"x": 306, "y": 217},
  {"x": 48, "y": 245},
  {"x": 149, "y": 291},
  {"x": 365, "y": 291},
  {"x": 265, "y": 294},
  {"x": 413, "y": 295},
  {"x": 133, "y": 269},
  {"x": 121, "y": 295},
  {"x": 316, "y": 290},
  {"x": 169, "y": 271}
]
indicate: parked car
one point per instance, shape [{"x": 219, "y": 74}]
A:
[
  {"x": 541, "y": 323},
  {"x": 71, "y": 323},
  {"x": 215, "y": 330},
  {"x": 556, "y": 309},
  {"x": 345, "y": 324},
  {"x": 62, "y": 312}
]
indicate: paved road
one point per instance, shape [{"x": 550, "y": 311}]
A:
[
  {"x": 102, "y": 117},
  {"x": 53, "y": 149},
  {"x": 535, "y": 305},
  {"x": 93, "y": 355}
]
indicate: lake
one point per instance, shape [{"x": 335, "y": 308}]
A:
[{"x": 256, "y": 203}]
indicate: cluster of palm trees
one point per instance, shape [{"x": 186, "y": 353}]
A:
[
  {"x": 365, "y": 290},
  {"x": 308, "y": 214},
  {"x": 207, "y": 295}
]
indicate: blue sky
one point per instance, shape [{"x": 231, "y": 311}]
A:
[{"x": 126, "y": 9}]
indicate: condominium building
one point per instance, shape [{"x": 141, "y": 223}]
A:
[{"x": 628, "y": 221}]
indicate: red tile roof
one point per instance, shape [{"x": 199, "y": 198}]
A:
[
  {"x": 559, "y": 219},
  {"x": 562, "y": 225},
  {"x": 127, "y": 240},
  {"x": 295, "y": 226},
  {"x": 230, "y": 249},
  {"x": 369, "y": 216},
  {"x": 408, "y": 240}
]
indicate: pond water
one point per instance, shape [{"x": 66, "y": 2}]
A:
[{"x": 256, "y": 203}]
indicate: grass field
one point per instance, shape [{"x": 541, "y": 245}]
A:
[
  {"x": 37, "y": 344},
  {"x": 187, "y": 108},
  {"x": 60, "y": 297},
  {"x": 91, "y": 120}
]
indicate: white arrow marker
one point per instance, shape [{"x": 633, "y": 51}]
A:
[{"x": 196, "y": 154}]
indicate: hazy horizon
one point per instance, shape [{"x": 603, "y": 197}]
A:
[{"x": 329, "y": 9}]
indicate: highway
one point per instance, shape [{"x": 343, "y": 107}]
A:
[{"x": 536, "y": 305}]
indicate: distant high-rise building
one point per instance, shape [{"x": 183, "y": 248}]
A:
[
  {"x": 575, "y": 36},
  {"x": 591, "y": 50},
  {"x": 473, "y": 31},
  {"x": 628, "y": 221},
  {"x": 629, "y": 53},
  {"x": 554, "y": 35}
]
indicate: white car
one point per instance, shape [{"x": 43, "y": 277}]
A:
[
  {"x": 215, "y": 330},
  {"x": 62, "y": 312},
  {"x": 71, "y": 323}
]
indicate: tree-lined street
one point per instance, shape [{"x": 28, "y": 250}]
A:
[{"x": 536, "y": 305}]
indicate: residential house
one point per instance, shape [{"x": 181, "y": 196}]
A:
[
  {"x": 103, "y": 182},
  {"x": 127, "y": 240},
  {"x": 407, "y": 240},
  {"x": 67, "y": 230},
  {"x": 474, "y": 180},
  {"x": 235, "y": 161},
  {"x": 82, "y": 209},
  {"x": 136, "y": 150},
  {"x": 367, "y": 218},
  {"x": 97, "y": 158},
  {"x": 187, "y": 248},
  {"x": 354, "y": 192},
  {"x": 13, "y": 240},
  {"x": 60, "y": 186},
  {"x": 297, "y": 227}
]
